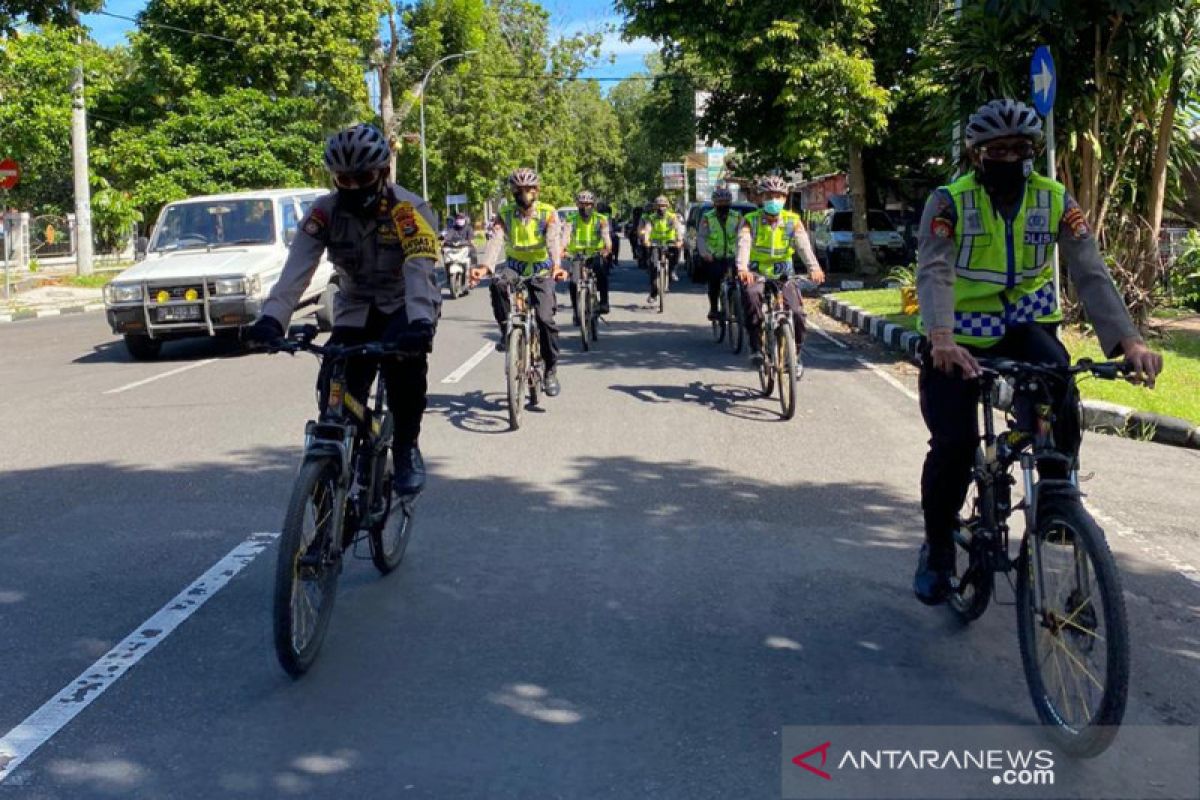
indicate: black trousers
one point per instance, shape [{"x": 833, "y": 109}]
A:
[
  {"x": 404, "y": 378},
  {"x": 752, "y": 300},
  {"x": 545, "y": 304},
  {"x": 715, "y": 272},
  {"x": 651, "y": 264},
  {"x": 600, "y": 268},
  {"x": 949, "y": 405}
]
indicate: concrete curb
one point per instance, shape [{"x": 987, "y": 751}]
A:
[
  {"x": 1098, "y": 415},
  {"x": 20, "y": 316}
]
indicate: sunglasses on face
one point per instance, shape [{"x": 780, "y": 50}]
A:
[
  {"x": 355, "y": 180},
  {"x": 1002, "y": 151}
]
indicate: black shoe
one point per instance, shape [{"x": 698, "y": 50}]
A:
[
  {"x": 575, "y": 318},
  {"x": 602, "y": 309},
  {"x": 502, "y": 343},
  {"x": 756, "y": 359},
  {"x": 410, "y": 471},
  {"x": 713, "y": 316},
  {"x": 551, "y": 383},
  {"x": 931, "y": 586}
]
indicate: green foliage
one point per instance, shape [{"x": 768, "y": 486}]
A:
[
  {"x": 113, "y": 215},
  {"x": 1185, "y": 274},
  {"x": 317, "y": 49},
  {"x": 41, "y": 12},
  {"x": 240, "y": 139}
]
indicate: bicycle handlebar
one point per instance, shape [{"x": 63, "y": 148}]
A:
[
  {"x": 303, "y": 342},
  {"x": 1106, "y": 370}
]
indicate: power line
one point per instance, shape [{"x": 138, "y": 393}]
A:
[{"x": 168, "y": 27}]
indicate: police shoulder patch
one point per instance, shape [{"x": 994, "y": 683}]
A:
[
  {"x": 416, "y": 235},
  {"x": 941, "y": 228},
  {"x": 1077, "y": 223},
  {"x": 315, "y": 223}
]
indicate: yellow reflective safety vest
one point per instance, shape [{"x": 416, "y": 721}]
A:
[
  {"x": 722, "y": 239},
  {"x": 771, "y": 247},
  {"x": 662, "y": 229},
  {"x": 526, "y": 238},
  {"x": 1004, "y": 272},
  {"x": 585, "y": 234}
]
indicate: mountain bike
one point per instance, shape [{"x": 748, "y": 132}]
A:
[
  {"x": 342, "y": 496},
  {"x": 523, "y": 356},
  {"x": 587, "y": 304},
  {"x": 660, "y": 260},
  {"x": 729, "y": 312},
  {"x": 778, "y": 347},
  {"x": 1071, "y": 622}
]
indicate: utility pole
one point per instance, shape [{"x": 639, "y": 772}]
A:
[{"x": 79, "y": 156}]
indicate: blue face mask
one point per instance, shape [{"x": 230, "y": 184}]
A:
[{"x": 773, "y": 207}]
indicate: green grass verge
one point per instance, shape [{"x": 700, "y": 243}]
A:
[
  {"x": 1176, "y": 395},
  {"x": 95, "y": 281},
  {"x": 880, "y": 303}
]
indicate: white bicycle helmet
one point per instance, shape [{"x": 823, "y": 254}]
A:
[
  {"x": 585, "y": 197},
  {"x": 772, "y": 184},
  {"x": 359, "y": 148},
  {"x": 1002, "y": 118},
  {"x": 524, "y": 178}
]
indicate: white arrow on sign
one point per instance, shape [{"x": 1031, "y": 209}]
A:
[
  {"x": 9, "y": 173},
  {"x": 1043, "y": 82}
]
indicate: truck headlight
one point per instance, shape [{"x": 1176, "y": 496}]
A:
[
  {"x": 117, "y": 293},
  {"x": 228, "y": 286}
]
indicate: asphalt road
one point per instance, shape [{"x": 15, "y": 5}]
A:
[{"x": 627, "y": 598}]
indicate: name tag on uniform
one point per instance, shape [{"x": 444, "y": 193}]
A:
[{"x": 972, "y": 222}]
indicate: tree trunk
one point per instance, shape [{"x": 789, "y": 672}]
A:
[
  {"x": 864, "y": 255},
  {"x": 1158, "y": 178},
  {"x": 387, "y": 65}
]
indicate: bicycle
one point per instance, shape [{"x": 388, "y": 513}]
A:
[
  {"x": 587, "y": 304},
  {"x": 341, "y": 497},
  {"x": 660, "y": 260},
  {"x": 729, "y": 313},
  {"x": 777, "y": 343},
  {"x": 523, "y": 356},
  {"x": 1062, "y": 530}
]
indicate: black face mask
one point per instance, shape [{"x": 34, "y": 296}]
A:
[
  {"x": 1005, "y": 179},
  {"x": 524, "y": 199},
  {"x": 363, "y": 201}
]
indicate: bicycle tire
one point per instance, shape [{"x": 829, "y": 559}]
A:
[
  {"x": 785, "y": 348},
  {"x": 766, "y": 372},
  {"x": 584, "y": 309},
  {"x": 662, "y": 286},
  {"x": 389, "y": 539},
  {"x": 972, "y": 588},
  {"x": 515, "y": 371},
  {"x": 1058, "y": 513},
  {"x": 737, "y": 325},
  {"x": 534, "y": 367},
  {"x": 721, "y": 322},
  {"x": 316, "y": 474}
]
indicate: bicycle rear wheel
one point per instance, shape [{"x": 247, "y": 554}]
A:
[
  {"x": 389, "y": 538},
  {"x": 972, "y": 584},
  {"x": 1075, "y": 649},
  {"x": 306, "y": 575},
  {"x": 516, "y": 371},
  {"x": 737, "y": 327},
  {"x": 785, "y": 359}
]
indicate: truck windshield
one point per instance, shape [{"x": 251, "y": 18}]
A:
[{"x": 215, "y": 223}]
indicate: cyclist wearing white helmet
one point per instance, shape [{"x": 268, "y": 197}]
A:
[
  {"x": 586, "y": 236},
  {"x": 767, "y": 241},
  {"x": 986, "y": 288},
  {"x": 528, "y": 232},
  {"x": 381, "y": 239},
  {"x": 716, "y": 241},
  {"x": 660, "y": 229}
]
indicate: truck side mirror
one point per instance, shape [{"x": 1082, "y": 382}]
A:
[{"x": 140, "y": 248}]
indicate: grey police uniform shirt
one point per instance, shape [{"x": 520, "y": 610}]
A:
[
  {"x": 386, "y": 260},
  {"x": 937, "y": 252}
]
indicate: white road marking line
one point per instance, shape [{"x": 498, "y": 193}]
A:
[
  {"x": 37, "y": 729},
  {"x": 161, "y": 375},
  {"x": 880, "y": 371},
  {"x": 470, "y": 364}
]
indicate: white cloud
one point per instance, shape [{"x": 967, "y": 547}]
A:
[{"x": 611, "y": 28}]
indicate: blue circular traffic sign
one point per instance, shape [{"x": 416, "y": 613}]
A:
[{"x": 1044, "y": 79}]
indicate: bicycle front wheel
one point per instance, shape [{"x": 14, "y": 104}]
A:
[
  {"x": 1074, "y": 639},
  {"x": 785, "y": 360},
  {"x": 306, "y": 573},
  {"x": 766, "y": 371},
  {"x": 721, "y": 322},
  {"x": 737, "y": 329},
  {"x": 585, "y": 316},
  {"x": 662, "y": 287},
  {"x": 515, "y": 370}
]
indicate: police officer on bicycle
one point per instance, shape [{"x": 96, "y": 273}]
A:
[
  {"x": 716, "y": 241},
  {"x": 986, "y": 287},
  {"x": 586, "y": 235},
  {"x": 381, "y": 239}
]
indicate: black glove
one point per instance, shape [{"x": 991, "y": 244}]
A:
[
  {"x": 264, "y": 332},
  {"x": 418, "y": 338}
]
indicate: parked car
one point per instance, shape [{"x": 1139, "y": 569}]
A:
[
  {"x": 833, "y": 240},
  {"x": 692, "y": 226},
  {"x": 209, "y": 265}
]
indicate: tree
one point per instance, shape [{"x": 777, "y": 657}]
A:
[
  {"x": 236, "y": 140},
  {"x": 41, "y": 12},
  {"x": 789, "y": 81},
  {"x": 316, "y": 49},
  {"x": 656, "y": 116}
]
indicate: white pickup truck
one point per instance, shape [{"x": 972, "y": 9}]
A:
[{"x": 209, "y": 265}]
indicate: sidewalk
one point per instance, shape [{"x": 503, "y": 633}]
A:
[{"x": 50, "y": 301}]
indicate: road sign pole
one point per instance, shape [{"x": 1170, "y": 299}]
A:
[{"x": 1052, "y": 174}]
